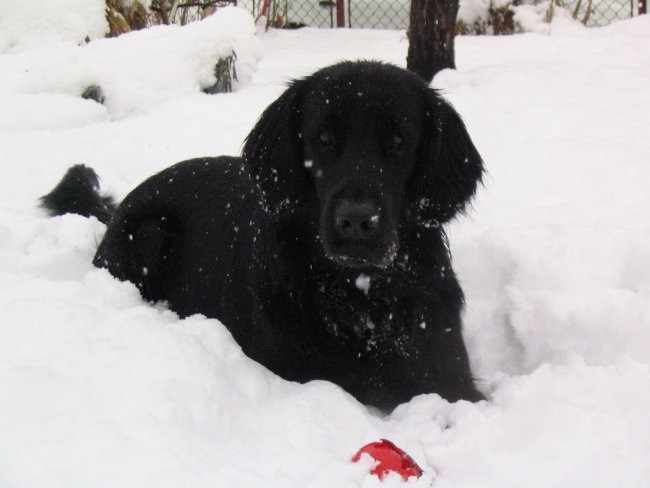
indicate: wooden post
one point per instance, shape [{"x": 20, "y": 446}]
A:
[
  {"x": 643, "y": 7},
  {"x": 340, "y": 13},
  {"x": 265, "y": 8}
]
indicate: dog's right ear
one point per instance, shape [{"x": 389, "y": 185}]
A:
[{"x": 273, "y": 152}]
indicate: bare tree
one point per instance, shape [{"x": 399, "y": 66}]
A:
[{"x": 432, "y": 28}]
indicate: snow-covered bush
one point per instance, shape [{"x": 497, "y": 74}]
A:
[
  {"x": 503, "y": 17},
  {"x": 486, "y": 17},
  {"x": 128, "y": 68}
]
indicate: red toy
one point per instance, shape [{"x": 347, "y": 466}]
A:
[{"x": 390, "y": 458}]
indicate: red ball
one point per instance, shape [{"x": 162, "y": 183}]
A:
[{"x": 390, "y": 458}]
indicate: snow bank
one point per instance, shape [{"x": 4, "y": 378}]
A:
[
  {"x": 100, "y": 389},
  {"x": 136, "y": 71},
  {"x": 26, "y": 24}
]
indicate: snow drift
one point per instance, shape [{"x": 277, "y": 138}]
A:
[{"x": 136, "y": 71}]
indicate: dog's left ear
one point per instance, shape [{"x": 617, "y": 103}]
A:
[
  {"x": 450, "y": 167},
  {"x": 273, "y": 152}
]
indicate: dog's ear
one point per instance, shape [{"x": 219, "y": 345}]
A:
[
  {"x": 449, "y": 166},
  {"x": 273, "y": 152}
]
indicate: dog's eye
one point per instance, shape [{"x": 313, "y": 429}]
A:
[
  {"x": 325, "y": 138},
  {"x": 397, "y": 141}
]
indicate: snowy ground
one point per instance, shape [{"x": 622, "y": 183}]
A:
[{"x": 98, "y": 389}]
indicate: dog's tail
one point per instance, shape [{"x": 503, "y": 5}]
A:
[{"x": 78, "y": 193}]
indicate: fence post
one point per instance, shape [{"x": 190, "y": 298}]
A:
[
  {"x": 266, "y": 5},
  {"x": 642, "y": 7},
  {"x": 340, "y": 13}
]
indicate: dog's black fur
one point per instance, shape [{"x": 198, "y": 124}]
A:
[{"x": 322, "y": 248}]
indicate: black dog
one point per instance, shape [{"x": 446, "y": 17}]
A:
[{"x": 321, "y": 249}]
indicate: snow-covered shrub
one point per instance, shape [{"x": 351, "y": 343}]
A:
[
  {"x": 539, "y": 16},
  {"x": 225, "y": 73},
  {"x": 130, "y": 70},
  {"x": 578, "y": 10},
  {"x": 503, "y": 17},
  {"x": 495, "y": 17}
]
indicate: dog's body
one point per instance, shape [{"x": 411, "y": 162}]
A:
[{"x": 321, "y": 249}]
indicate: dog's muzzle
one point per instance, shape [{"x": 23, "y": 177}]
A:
[{"x": 357, "y": 233}]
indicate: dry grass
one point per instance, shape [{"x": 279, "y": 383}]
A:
[
  {"x": 225, "y": 72},
  {"x": 123, "y": 19}
]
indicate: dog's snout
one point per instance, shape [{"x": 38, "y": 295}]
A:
[{"x": 357, "y": 220}]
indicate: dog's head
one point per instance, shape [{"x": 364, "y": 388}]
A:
[{"x": 372, "y": 148}]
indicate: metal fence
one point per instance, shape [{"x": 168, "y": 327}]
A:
[
  {"x": 186, "y": 11},
  {"x": 366, "y": 14},
  {"x": 394, "y": 14},
  {"x": 599, "y": 13}
]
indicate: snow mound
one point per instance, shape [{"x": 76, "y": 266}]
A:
[
  {"x": 26, "y": 24},
  {"x": 136, "y": 71}
]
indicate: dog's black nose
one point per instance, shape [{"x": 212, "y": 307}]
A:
[{"x": 357, "y": 220}]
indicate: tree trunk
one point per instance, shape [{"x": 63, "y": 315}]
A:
[{"x": 431, "y": 34}]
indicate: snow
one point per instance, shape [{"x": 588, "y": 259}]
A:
[
  {"x": 27, "y": 24},
  {"x": 363, "y": 283},
  {"x": 136, "y": 71},
  {"x": 472, "y": 11},
  {"x": 100, "y": 389}
]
